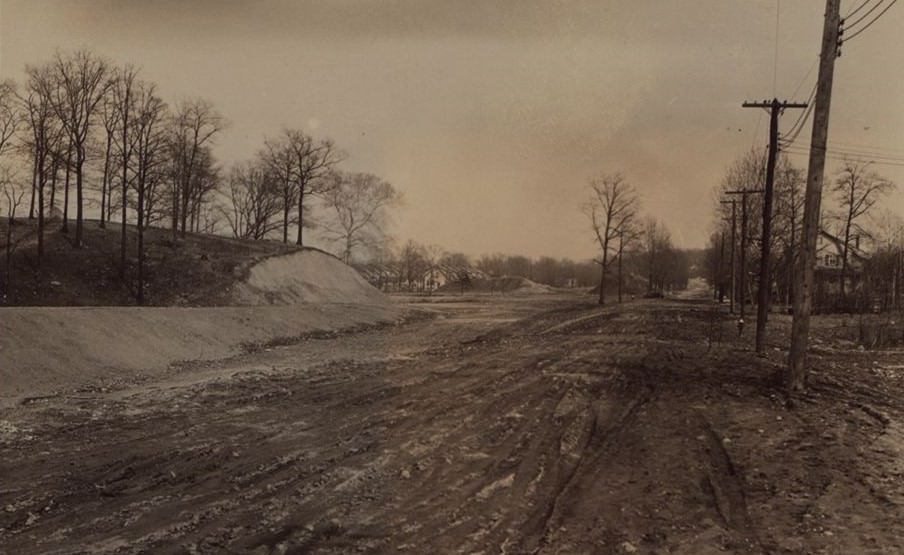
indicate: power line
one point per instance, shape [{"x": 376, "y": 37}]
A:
[
  {"x": 801, "y": 120},
  {"x": 869, "y": 147},
  {"x": 864, "y": 16},
  {"x": 861, "y": 151},
  {"x": 778, "y": 7},
  {"x": 857, "y": 9},
  {"x": 839, "y": 157},
  {"x": 873, "y": 20},
  {"x": 756, "y": 130},
  {"x": 804, "y": 80}
]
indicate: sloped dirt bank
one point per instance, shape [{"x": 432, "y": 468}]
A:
[{"x": 43, "y": 349}]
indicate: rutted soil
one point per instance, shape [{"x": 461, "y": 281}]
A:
[{"x": 512, "y": 425}]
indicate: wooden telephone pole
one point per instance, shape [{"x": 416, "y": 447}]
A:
[
  {"x": 762, "y": 304},
  {"x": 803, "y": 291},
  {"x": 734, "y": 225},
  {"x": 742, "y": 278}
]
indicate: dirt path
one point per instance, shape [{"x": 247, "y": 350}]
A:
[{"x": 500, "y": 426}]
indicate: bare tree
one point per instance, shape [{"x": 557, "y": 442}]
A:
[
  {"x": 148, "y": 139},
  {"x": 359, "y": 202},
  {"x": 205, "y": 181},
  {"x": 110, "y": 120},
  {"x": 123, "y": 87},
  {"x": 612, "y": 207},
  {"x": 194, "y": 125},
  {"x": 10, "y": 117},
  {"x": 13, "y": 194},
  {"x": 657, "y": 243},
  {"x": 44, "y": 137},
  {"x": 254, "y": 201},
  {"x": 314, "y": 161},
  {"x": 411, "y": 265},
  {"x": 789, "y": 205},
  {"x": 857, "y": 189},
  {"x": 280, "y": 160},
  {"x": 628, "y": 236},
  {"x": 81, "y": 84}
]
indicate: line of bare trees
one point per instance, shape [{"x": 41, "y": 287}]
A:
[
  {"x": 97, "y": 131},
  {"x": 861, "y": 257},
  {"x": 625, "y": 239},
  {"x": 295, "y": 173},
  {"x": 79, "y": 108}
]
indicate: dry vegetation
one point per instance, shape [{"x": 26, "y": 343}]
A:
[{"x": 198, "y": 270}]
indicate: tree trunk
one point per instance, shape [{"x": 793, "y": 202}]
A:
[
  {"x": 184, "y": 215},
  {"x": 9, "y": 253},
  {"x": 844, "y": 260},
  {"x": 65, "y": 227},
  {"x": 34, "y": 186},
  {"x": 286, "y": 209},
  {"x": 621, "y": 247},
  {"x": 301, "y": 194},
  {"x": 604, "y": 267},
  {"x": 105, "y": 181},
  {"x": 140, "y": 295},
  {"x": 123, "y": 238},
  {"x": 175, "y": 214},
  {"x": 40, "y": 184},
  {"x": 79, "y": 199},
  {"x": 53, "y": 186}
]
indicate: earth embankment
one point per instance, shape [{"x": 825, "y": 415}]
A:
[{"x": 44, "y": 349}]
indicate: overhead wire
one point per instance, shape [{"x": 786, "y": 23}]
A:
[
  {"x": 857, "y": 153},
  {"x": 798, "y": 126},
  {"x": 857, "y": 9},
  {"x": 870, "y": 23},
  {"x": 778, "y": 6},
  {"x": 804, "y": 80},
  {"x": 840, "y": 157},
  {"x": 841, "y": 154},
  {"x": 869, "y": 147},
  {"x": 864, "y": 16}
]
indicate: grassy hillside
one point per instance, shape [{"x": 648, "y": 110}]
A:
[{"x": 199, "y": 270}]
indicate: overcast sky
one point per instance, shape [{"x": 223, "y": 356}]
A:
[{"x": 491, "y": 115}]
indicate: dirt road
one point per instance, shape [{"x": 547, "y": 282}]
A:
[{"x": 499, "y": 425}]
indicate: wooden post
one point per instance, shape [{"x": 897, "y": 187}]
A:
[{"x": 803, "y": 291}]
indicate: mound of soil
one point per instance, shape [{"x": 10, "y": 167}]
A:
[
  {"x": 308, "y": 276},
  {"x": 195, "y": 270},
  {"x": 504, "y": 284}
]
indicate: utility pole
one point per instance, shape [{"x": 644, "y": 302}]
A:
[
  {"x": 762, "y": 303},
  {"x": 734, "y": 281},
  {"x": 720, "y": 291},
  {"x": 742, "y": 280},
  {"x": 803, "y": 291}
]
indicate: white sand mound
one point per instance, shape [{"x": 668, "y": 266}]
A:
[{"x": 309, "y": 276}]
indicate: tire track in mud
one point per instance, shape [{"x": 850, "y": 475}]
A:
[
  {"x": 725, "y": 483},
  {"x": 606, "y": 424}
]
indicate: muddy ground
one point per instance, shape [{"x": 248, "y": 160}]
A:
[{"x": 496, "y": 425}]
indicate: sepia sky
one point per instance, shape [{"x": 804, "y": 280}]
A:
[{"x": 491, "y": 115}]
